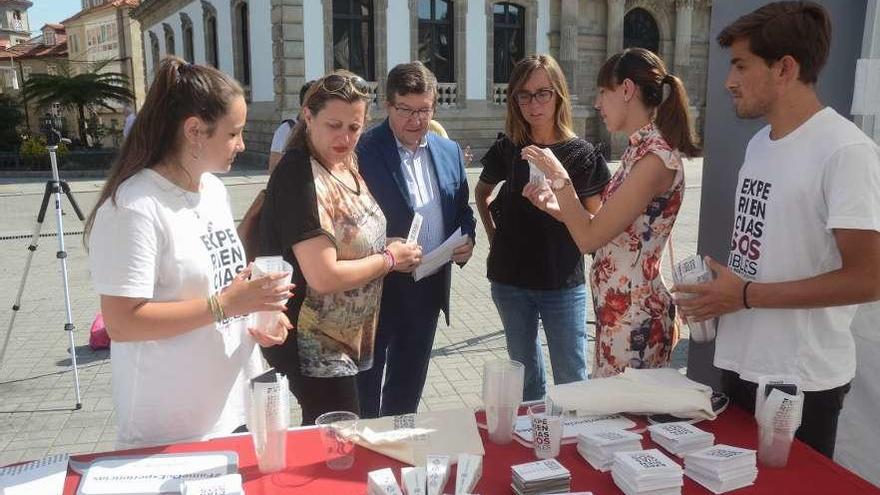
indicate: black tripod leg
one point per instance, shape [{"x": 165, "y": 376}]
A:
[
  {"x": 32, "y": 248},
  {"x": 50, "y": 188},
  {"x": 66, "y": 188}
]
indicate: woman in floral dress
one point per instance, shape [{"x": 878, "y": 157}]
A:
[{"x": 636, "y": 325}]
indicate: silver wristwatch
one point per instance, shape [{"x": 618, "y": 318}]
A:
[{"x": 559, "y": 183}]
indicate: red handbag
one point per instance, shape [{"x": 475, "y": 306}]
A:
[{"x": 98, "y": 337}]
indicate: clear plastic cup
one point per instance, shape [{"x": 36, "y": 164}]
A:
[
  {"x": 269, "y": 418},
  {"x": 502, "y": 395},
  {"x": 774, "y": 445},
  {"x": 546, "y": 431},
  {"x": 266, "y": 322},
  {"x": 693, "y": 270},
  {"x": 337, "y": 435}
]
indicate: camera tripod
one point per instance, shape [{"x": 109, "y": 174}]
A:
[{"x": 56, "y": 187}]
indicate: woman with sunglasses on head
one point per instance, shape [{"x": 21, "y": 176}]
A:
[
  {"x": 535, "y": 268},
  {"x": 636, "y": 324},
  {"x": 170, "y": 269},
  {"x": 320, "y": 216}
]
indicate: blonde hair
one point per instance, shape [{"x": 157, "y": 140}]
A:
[{"x": 518, "y": 130}]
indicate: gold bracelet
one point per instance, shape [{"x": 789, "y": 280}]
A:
[
  {"x": 212, "y": 307},
  {"x": 220, "y": 307},
  {"x": 216, "y": 308}
]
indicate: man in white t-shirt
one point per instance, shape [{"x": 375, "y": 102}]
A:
[
  {"x": 805, "y": 248},
  {"x": 130, "y": 115},
  {"x": 282, "y": 133}
]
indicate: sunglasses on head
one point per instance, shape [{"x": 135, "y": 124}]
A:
[{"x": 338, "y": 83}]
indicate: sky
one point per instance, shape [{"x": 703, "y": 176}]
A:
[{"x": 49, "y": 11}]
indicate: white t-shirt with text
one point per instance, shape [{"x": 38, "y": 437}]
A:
[
  {"x": 162, "y": 243},
  {"x": 791, "y": 193}
]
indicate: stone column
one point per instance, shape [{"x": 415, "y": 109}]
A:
[
  {"x": 288, "y": 54},
  {"x": 568, "y": 56},
  {"x": 614, "y": 37},
  {"x": 684, "y": 12},
  {"x": 616, "y": 10}
]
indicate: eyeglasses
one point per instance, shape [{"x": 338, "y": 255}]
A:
[
  {"x": 409, "y": 113},
  {"x": 338, "y": 83},
  {"x": 541, "y": 96}
]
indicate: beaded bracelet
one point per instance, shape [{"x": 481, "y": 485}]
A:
[{"x": 390, "y": 262}]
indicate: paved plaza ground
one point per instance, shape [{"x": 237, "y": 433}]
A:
[{"x": 36, "y": 384}]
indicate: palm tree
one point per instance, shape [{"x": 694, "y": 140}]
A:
[{"x": 88, "y": 89}]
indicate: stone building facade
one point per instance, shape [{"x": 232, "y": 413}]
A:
[{"x": 274, "y": 46}]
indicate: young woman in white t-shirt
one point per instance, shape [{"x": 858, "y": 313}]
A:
[{"x": 165, "y": 258}]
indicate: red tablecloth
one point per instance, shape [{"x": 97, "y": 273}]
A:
[{"x": 807, "y": 471}]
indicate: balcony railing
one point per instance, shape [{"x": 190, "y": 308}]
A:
[
  {"x": 447, "y": 94},
  {"x": 373, "y": 87},
  {"x": 499, "y": 94}
]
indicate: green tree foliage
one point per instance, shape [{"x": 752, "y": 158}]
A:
[
  {"x": 88, "y": 89},
  {"x": 10, "y": 118}
]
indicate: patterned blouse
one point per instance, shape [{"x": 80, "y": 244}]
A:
[
  {"x": 335, "y": 332},
  {"x": 635, "y": 317}
]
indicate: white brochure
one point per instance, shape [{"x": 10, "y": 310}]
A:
[
  {"x": 415, "y": 480},
  {"x": 438, "y": 258},
  {"x": 469, "y": 472},
  {"x": 438, "y": 473}
]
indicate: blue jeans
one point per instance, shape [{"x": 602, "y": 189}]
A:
[{"x": 564, "y": 314}]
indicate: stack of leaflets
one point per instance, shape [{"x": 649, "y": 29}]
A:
[
  {"x": 598, "y": 448},
  {"x": 721, "y": 468},
  {"x": 382, "y": 482},
  {"x": 646, "y": 472},
  {"x": 545, "y": 476},
  {"x": 680, "y": 438}
]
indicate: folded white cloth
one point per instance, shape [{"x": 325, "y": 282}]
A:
[
  {"x": 411, "y": 437},
  {"x": 638, "y": 391}
]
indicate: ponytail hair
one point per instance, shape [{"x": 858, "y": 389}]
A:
[
  {"x": 647, "y": 71},
  {"x": 179, "y": 91}
]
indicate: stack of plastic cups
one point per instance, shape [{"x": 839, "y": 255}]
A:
[
  {"x": 267, "y": 321},
  {"x": 693, "y": 270},
  {"x": 269, "y": 419},
  {"x": 778, "y": 416},
  {"x": 502, "y": 395}
]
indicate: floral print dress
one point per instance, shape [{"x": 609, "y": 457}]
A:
[{"x": 636, "y": 325}]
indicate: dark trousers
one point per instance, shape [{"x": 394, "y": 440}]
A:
[
  {"x": 821, "y": 410},
  {"x": 404, "y": 338},
  {"x": 315, "y": 396}
]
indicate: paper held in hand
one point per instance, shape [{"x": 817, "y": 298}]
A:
[
  {"x": 439, "y": 257},
  {"x": 414, "y": 228}
]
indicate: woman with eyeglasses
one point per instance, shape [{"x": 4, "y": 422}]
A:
[
  {"x": 320, "y": 216},
  {"x": 170, "y": 269},
  {"x": 535, "y": 268},
  {"x": 636, "y": 324}
]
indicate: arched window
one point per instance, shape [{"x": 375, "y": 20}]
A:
[
  {"x": 169, "y": 39},
  {"x": 154, "y": 51},
  {"x": 436, "y": 38},
  {"x": 241, "y": 42},
  {"x": 209, "y": 17},
  {"x": 186, "y": 27},
  {"x": 640, "y": 30},
  {"x": 510, "y": 39},
  {"x": 353, "y": 37}
]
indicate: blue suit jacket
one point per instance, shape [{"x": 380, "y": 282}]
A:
[{"x": 379, "y": 164}]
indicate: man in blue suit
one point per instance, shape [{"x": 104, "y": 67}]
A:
[{"x": 409, "y": 170}]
